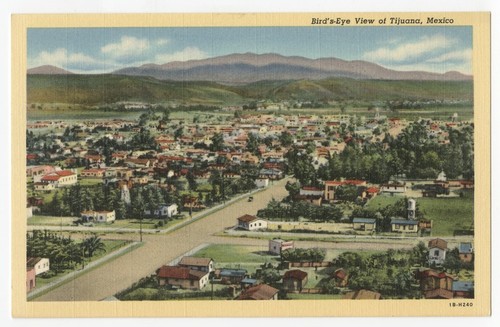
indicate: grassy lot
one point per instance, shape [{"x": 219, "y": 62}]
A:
[
  {"x": 233, "y": 254},
  {"x": 90, "y": 181},
  {"x": 110, "y": 245},
  {"x": 51, "y": 220},
  {"x": 146, "y": 223},
  {"x": 449, "y": 215}
]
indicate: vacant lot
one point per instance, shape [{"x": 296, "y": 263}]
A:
[{"x": 318, "y": 227}]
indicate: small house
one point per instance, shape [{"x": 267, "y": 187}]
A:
[
  {"x": 276, "y": 246},
  {"x": 182, "y": 277},
  {"x": 341, "y": 277},
  {"x": 294, "y": 280},
  {"x": 231, "y": 276},
  {"x": 466, "y": 252},
  {"x": 364, "y": 224},
  {"x": 163, "y": 210},
  {"x": 200, "y": 264},
  {"x": 40, "y": 265},
  {"x": 463, "y": 289},
  {"x": 404, "y": 225},
  {"x": 98, "y": 216},
  {"x": 437, "y": 251},
  {"x": 259, "y": 292},
  {"x": 435, "y": 285},
  {"x": 249, "y": 222},
  {"x": 262, "y": 182}
]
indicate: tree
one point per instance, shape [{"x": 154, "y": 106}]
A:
[
  {"x": 419, "y": 254},
  {"x": 252, "y": 144},
  {"x": 286, "y": 139},
  {"x": 217, "y": 142},
  {"x": 92, "y": 245},
  {"x": 270, "y": 276}
]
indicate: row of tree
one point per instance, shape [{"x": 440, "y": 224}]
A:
[
  {"x": 63, "y": 252},
  {"x": 295, "y": 210}
]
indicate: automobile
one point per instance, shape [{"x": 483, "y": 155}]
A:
[{"x": 250, "y": 199}]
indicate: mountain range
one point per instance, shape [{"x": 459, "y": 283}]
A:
[{"x": 250, "y": 67}]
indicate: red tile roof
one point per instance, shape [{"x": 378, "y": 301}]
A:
[
  {"x": 295, "y": 274},
  {"x": 179, "y": 273},
  {"x": 438, "y": 243},
  {"x": 259, "y": 292},
  {"x": 247, "y": 218}
]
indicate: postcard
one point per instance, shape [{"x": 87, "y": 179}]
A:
[{"x": 251, "y": 165}]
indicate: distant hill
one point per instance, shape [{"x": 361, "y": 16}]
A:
[
  {"x": 107, "y": 88},
  {"x": 48, "y": 70},
  {"x": 250, "y": 67}
]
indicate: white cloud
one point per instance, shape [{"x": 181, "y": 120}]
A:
[
  {"x": 128, "y": 46},
  {"x": 410, "y": 50},
  {"x": 161, "y": 42},
  {"x": 61, "y": 58},
  {"x": 189, "y": 53},
  {"x": 459, "y": 55}
]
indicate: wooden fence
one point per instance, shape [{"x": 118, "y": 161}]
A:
[{"x": 309, "y": 264}]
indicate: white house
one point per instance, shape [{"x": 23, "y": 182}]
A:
[
  {"x": 437, "y": 251},
  {"x": 40, "y": 265},
  {"x": 250, "y": 222},
  {"x": 60, "y": 178},
  {"x": 262, "y": 182},
  {"x": 404, "y": 225},
  {"x": 98, "y": 216},
  {"x": 277, "y": 245},
  {"x": 164, "y": 210}
]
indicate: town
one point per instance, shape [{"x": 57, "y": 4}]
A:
[{"x": 258, "y": 202}]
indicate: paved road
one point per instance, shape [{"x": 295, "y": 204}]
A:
[{"x": 157, "y": 250}]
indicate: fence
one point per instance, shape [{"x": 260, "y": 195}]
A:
[{"x": 309, "y": 264}]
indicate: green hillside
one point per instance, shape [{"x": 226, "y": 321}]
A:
[
  {"x": 102, "y": 89},
  {"x": 91, "y": 90}
]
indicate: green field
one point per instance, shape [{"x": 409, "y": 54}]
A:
[
  {"x": 449, "y": 215},
  {"x": 246, "y": 257}
]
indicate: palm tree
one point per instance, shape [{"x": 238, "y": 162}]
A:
[{"x": 93, "y": 245}]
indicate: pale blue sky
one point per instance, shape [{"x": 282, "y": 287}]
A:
[{"x": 97, "y": 50}]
